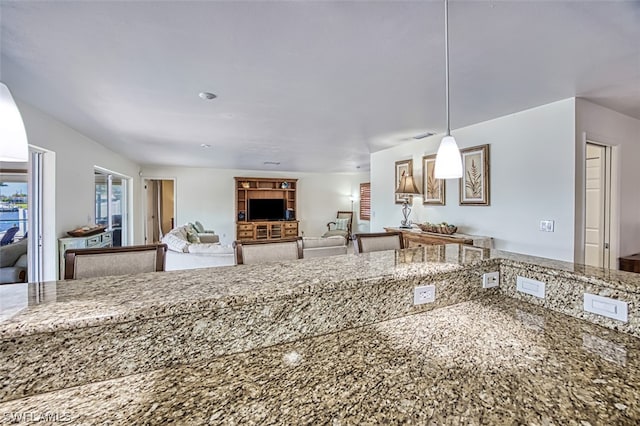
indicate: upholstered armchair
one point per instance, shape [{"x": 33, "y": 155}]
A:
[
  {"x": 13, "y": 262},
  {"x": 340, "y": 226}
]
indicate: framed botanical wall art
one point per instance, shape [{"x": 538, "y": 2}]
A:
[
  {"x": 474, "y": 184},
  {"x": 434, "y": 189},
  {"x": 404, "y": 167}
]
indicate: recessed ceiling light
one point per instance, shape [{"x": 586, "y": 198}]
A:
[
  {"x": 273, "y": 163},
  {"x": 207, "y": 96},
  {"x": 205, "y": 145}
]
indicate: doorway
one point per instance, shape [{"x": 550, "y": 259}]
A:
[
  {"x": 112, "y": 201},
  {"x": 597, "y": 232},
  {"x": 160, "y": 208}
]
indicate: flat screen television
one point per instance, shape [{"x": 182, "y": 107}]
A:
[{"x": 266, "y": 209}]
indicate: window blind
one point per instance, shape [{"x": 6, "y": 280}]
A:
[{"x": 365, "y": 201}]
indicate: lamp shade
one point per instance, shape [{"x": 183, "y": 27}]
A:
[
  {"x": 13, "y": 137},
  {"x": 448, "y": 160},
  {"x": 407, "y": 186}
]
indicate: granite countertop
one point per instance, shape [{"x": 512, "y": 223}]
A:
[
  {"x": 493, "y": 360},
  {"x": 44, "y": 307}
]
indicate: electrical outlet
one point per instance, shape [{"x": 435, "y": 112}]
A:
[
  {"x": 424, "y": 294},
  {"x": 491, "y": 279}
]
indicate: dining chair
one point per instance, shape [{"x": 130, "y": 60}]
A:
[
  {"x": 107, "y": 261},
  {"x": 254, "y": 252},
  {"x": 378, "y": 241}
]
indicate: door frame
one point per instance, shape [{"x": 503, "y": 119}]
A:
[
  {"x": 127, "y": 225},
  {"x": 145, "y": 207},
  {"x": 614, "y": 198}
]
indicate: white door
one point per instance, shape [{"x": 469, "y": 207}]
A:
[
  {"x": 597, "y": 205},
  {"x": 35, "y": 192}
]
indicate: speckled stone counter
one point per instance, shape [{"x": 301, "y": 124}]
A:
[
  {"x": 92, "y": 330},
  {"x": 490, "y": 361},
  {"x": 58, "y": 335}
]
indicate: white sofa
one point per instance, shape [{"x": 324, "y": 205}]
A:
[{"x": 190, "y": 249}]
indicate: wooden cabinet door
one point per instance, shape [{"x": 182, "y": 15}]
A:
[
  {"x": 275, "y": 231},
  {"x": 261, "y": 231}
]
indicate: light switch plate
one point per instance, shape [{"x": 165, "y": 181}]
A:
[
  {"x": 547, "y": 225},
  {"x": 610, "y": 308},
  {"x": 529, "y": 286}
]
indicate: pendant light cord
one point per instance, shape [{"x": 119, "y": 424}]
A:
[{"x": 446, "y": 61}]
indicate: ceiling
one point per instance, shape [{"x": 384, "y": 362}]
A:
[{"x": 312, "y": 85}]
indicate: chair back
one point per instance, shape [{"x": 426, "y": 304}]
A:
[
  {"x": 254, "y": 252},
  {"x": 106, "y": 261},
  {"x": 8, "y": 236},
  {"x": 378, "y": 241},
  {"x": 346, "y": 215}
]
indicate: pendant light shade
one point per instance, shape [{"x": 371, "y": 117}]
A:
[
  {"x": 13, "y": 137},
  {"x": 448, "y": 159}
]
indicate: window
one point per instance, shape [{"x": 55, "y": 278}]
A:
[{"x": 365, "y": 201}]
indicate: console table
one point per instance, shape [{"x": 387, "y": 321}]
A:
[
  {"x": 104, "y": 239},
  {"x": 630, "y": 263},
  {"x": 414, "y": 237}
]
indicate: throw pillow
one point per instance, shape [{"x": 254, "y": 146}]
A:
[
  {"x": 198, "y": 226},
  {"x": 192, "y": 235},
  {"x": 341, "y": 224}
]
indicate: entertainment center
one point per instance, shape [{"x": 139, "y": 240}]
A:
[{"x": 265, "y": 208}]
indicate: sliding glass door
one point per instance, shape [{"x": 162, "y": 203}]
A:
[{"x": 111, "y": 204}]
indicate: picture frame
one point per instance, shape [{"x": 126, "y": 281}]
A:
[
  {"x": 402, "y": 167},
  {"x": 474, "y": 184},
  {"x": 434, "y": 189}
]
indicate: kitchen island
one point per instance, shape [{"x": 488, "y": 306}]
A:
[{"x": 343, "y": 345}]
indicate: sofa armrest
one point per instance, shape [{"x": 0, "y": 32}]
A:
[
  {"x": 13, "y": 274},
  {"x": 208, "y": 238}
]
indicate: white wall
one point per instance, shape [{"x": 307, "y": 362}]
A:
[
  {"x": 207, "y": 195},
  {"x": 599, "y": 124},
  {"x": 75, "y": 158},
  {"x": 532, "y": 164}
]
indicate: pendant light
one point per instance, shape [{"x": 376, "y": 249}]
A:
[
  {"x": 448, "y": 160},
  {"x": 13, "y": 137}
]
